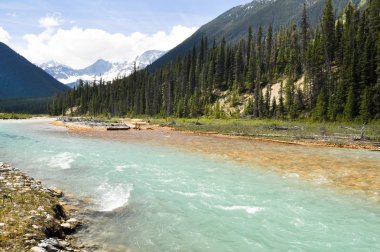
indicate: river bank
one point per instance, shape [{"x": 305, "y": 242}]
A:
[
  {"x": 33, "y": 217},
  {"x": 349, "y": 136}
]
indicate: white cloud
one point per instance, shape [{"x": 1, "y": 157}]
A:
[
  {"x": 50, "y": 21},
  {"x": 4, "y": 35},
  {"x": 78, "y": 47},
  {"x": 12, "y": 14}
]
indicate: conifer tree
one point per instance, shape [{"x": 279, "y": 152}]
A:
[
  {"x": 304, "y": 36},
  {"x": 365, "y": 106},
  {"x": 321, "y": 107},
  {"x": 349, "y": 109},
  {"x": 328, "y": 34},
  {"x": 258, "y": 69}
]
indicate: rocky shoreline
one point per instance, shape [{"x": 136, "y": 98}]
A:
[{"x": 33, "y": 217}]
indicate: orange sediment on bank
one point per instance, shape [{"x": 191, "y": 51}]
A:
[{"x": 315, "y": 143}]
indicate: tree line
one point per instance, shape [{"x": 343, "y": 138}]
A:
[{"x": 329, "y": 71}]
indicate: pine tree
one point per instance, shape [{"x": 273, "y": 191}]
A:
[
  {"x": 274, "y": 107},
  {"x": 219, "y": 75},
  {"x": 365, "y": 106},
  {"x": 239, "y": 68},
  {"x": 281, "y": 108},
  {"x": 320, "y": 110},
  {"x": 249, "y": 44},
  {"x": 349, "y": 108},
  {"x": 304, "y": 36},
  {"x": 374, "y": 17},
  {"x": 268, "y": 52},
  {"x": 328, "y": 31},
  {"x": 258, "y": 68}
]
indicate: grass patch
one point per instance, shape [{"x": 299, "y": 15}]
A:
[
  {"x": 6, "y": 116},
  {"x": 336, "y": 132},
  {"x": 25, "y": 215}
]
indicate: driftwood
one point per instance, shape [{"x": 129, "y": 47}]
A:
[{"x": 118, "y": 128}]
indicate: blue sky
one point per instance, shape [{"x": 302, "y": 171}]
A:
[{"x": 24, "y": 24}]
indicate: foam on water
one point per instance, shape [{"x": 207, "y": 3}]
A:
[
  {"x": 110, "y": 197},
  {"x": 249, "y": 209},
  {"x": 121, "y": 168},
  {"x": 63, "y": 160}
]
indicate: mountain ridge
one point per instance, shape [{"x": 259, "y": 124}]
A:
[
  {"x": 100, "y": 69},
  {"x": 19, "y": 78}
]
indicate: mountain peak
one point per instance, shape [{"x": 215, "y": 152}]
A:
[
  {"x": 51, "y": 64},
  {"x": 101, "y": 68}
]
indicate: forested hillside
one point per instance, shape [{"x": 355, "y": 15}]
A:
[
  {"x": 233, "y": 24},
  {"x": 330, "y": 72}
]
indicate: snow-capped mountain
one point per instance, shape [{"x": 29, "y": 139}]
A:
[{"x": 100, "y": 69}]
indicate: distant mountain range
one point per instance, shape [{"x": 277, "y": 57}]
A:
[
  {"x": 233, "y": 24},
  {"x": 21, "y": 79},
  {"x": 100, "y": 69}
]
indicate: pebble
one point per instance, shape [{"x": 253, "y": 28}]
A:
[
  {"x": 37, "y": 249},
  {"x": 51, "y": 248},
  {"x": 66, "y": 225}
]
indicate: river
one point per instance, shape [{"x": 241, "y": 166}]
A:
[{"x": 169, "y": 196}]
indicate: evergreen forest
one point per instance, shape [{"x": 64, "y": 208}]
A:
[{"x": 324, "y": 72}]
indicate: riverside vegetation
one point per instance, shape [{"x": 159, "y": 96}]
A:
[
  {"x": 31, "y": 216},
  {"x": 7, "y": 116},
  {"x": 325, "y": 72},
  {"x": 329, "y": 134}
]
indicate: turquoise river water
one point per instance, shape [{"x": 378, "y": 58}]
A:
[{"x": 168, "y": 199}]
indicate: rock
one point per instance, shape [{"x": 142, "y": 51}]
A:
[
  {"x": 70, "y": 225},
  {"x": 56, "y": 192},
  {"x": 66, "y": 225},
  {"x": 42, "y": 244},
  {"x": 30, "y": 236},
  {"x": 37, "y": 249},
  {"x": 35, "y": 226},
  {"x": 62, "y": 244},
  {"x": 51, "y": 241},
  {"x": 73, "y": 221},
  {"x": 51, "y": 248},
  {"x": 2, "y": 225}
]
